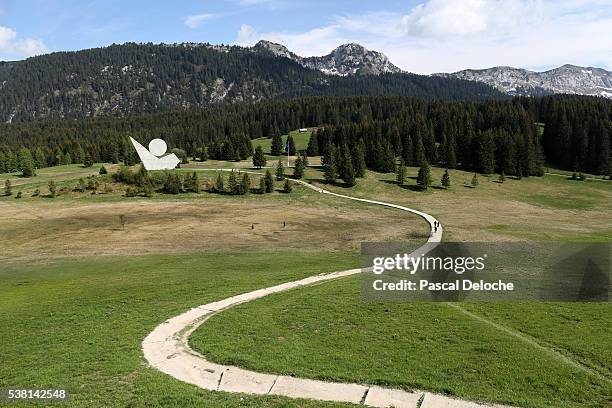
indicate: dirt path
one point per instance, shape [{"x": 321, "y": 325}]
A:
[{"x": 167, "y": 349}]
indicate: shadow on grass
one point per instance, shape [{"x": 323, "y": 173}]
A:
[{"x": 325, "y": 183}]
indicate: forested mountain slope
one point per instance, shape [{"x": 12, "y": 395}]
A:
[{"x": 142, "y": 78}]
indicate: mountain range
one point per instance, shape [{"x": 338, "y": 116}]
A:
[
  {"x": 568, "y": 79},
  {"x": 347, "y": 59},
  {"x": 130, "y": 78},
  {"x": 134, "y": 78}
]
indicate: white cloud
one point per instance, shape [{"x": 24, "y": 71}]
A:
[
  {"x": 313, "y": 42},
  {"x": 450, "y": 35},
  {"x": 444, "y": 18},
  {"x": 196, "y": 20},
  {"x": 27, "y": 47}
]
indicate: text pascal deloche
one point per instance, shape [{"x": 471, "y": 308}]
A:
[{"x": 412, "y": 264}]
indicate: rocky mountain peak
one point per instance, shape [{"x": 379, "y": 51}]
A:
[
  {"x": 346, "y": 59},
  {"x": 568, "y": 78}
]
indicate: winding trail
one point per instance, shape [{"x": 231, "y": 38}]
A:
[{"x": 167, "y": 349}]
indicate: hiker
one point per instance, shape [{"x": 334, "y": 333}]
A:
[
  {"x": 284, "y": 224},
  {"x": 252, "y": 226}
]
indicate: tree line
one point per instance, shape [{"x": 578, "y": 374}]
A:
[{"x": 484, "y": 136}]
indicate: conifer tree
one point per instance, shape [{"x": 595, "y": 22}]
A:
[
  {"x": 219, "y": 184},
  {"x": 52, "y": 188},
  {"x": 446, "y": 181},
  {"x": 88, "y": 161},
  {"x": 276, "y": 147},
  {"x": 424, "y": 176},
  {"x": 280, "y": 170},
  {"x": 259, "y": 158},
  {"x": 39, "y": 158},
  {"x": 304, "y": 158},
  {"x": 400, "y": 175},
  {"x": 80, "y": 185},
  {"x": 232, "y": 183},
  {"x": 313, "y": 145},
  {"x": 298, "y": 169},
  {"x": 451, "y": 152},
  {"x": 287, "y": 187},
  {"x": 194, "y": 183},
  {"x": 262, "y": 185},
  {"x": 8, "y": 188},
  {"x": 359, "y": 162},
  {"x": 26, "y": 162},
  {"x": 329, "y": 168},
  {"x": 67, "y": 159},
  {"x": 79, "y": 156},
  {"x": 103, "y": 170},
  {"x": 290, "y": 146},
  {"x": 502, "y": 177},
  {"x": 269, "y": 182},
  {"x": 203, "y": 154},
  {"x": 246, "y": 183},
  {"x": 348, "y": 171},
  {"x": 475, "y": 180}
]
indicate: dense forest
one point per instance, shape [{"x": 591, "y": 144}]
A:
[
  {"x": 481, "y": 136},
  {"x": 144, "y": 78}
]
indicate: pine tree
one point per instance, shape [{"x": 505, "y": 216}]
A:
[
  {"x": 246, "y": 183},
  {"x": 276, "y": 147},
  {"x": 475, "y": 180},
  {"x": 290, "y": 146},
  {"x": 219, "y": 184},
  {"x": 8, "y": 188},
  {"x": 298, "y": 169},
  {"x": 313, "y": 145},
  {"x": 451, "y": 153},
  {"x": 329, "y": 168},
  {"x": 304, "y": 159},
  {"x": 280, "y": 170},
  {"x": 262, "y": 185},
  {"x": 269, "y": 182},
  {"x": 348, "y": 171},
  {"x": 103, "y": 170},
  {"x": 359, "y": 159},
  {"x": 67, "y": 159},
  {"x": 287, "y": 187},
  {"x": 259, "y": 158},
  {"x": 26, "y": 162},
  {"x": 194, "y": 183},
  {"x": 52, "y": 188},
  {"x": 424, "y": 176},
  {"x": 232, "y": 183},
  {"x": 446, "y": 181},
  {"x": 203, "y": 154},
  {"x": 80, "y": 186},
  {"x": 88, "y": 161},
  {"x": 502, "y": 177},
  {"x": 79, "y": 157},
  {"x": 400, "y": 176}
]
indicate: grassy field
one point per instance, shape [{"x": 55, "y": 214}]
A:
[
  {"x": 545, "y": 208},
  {"x": 300, "y": 138},
  {"x": 78, "y": 324},
  {"x": 329, "y": 332},
  {"x": 81, "y": 224},
  {"x": 80, "y": 293}
]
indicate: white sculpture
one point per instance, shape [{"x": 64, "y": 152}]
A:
[{"x": 151, "y": 158}]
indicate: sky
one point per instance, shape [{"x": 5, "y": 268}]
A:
[{"x": 421, "y": 36}]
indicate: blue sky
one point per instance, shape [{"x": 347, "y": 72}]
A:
[{"x": 421, "y": 36}]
